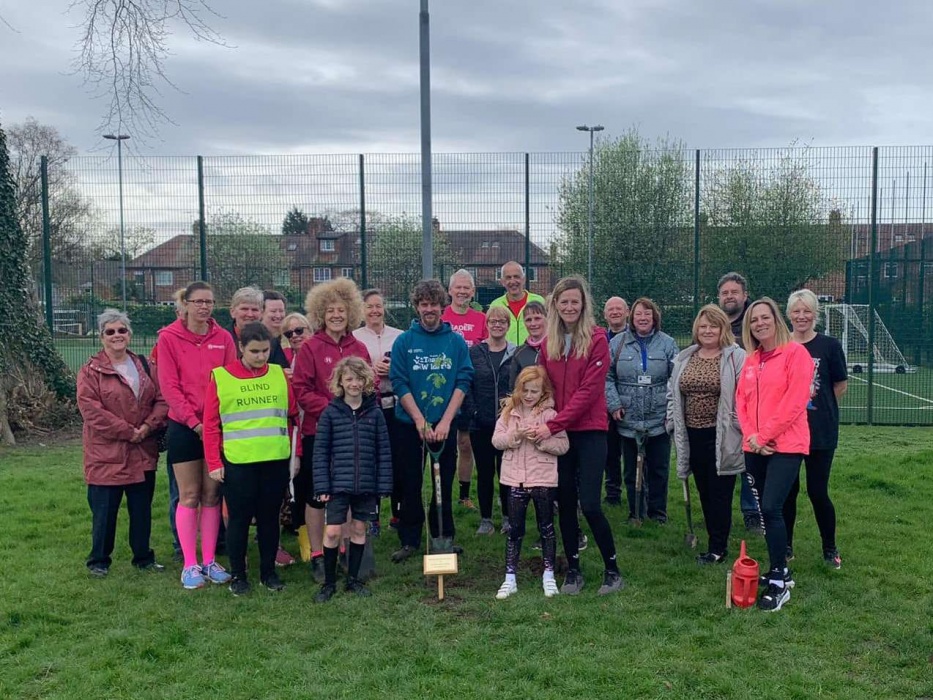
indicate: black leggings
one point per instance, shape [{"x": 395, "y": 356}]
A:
[
  {"x": 657, "y": 470},
  {"x": 715, "y": 490},
  {"x": 818, "y": 465},
  {"x": 771, "y": 479},
  {"x": 411, "y": 480},
  {"x": 580, "y": 479},
  {"x": 543, "y": 498},
  {"x": 254, "y": 491},
  {"x": 488, "y": 465}
]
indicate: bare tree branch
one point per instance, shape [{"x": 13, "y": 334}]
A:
[{"x": 122, "y": 54}]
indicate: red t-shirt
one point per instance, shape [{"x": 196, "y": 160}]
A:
[
  {"x": 471, "y": 325},
  {"x": 516, "y": 307}
]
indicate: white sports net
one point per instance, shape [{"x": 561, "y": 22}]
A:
[{"x": 849, "y": 324}]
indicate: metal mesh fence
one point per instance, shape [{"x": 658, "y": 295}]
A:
[{"x": 665, "y": 222}]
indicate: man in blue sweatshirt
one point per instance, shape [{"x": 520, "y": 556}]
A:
[{"x": 430, "y": 372}]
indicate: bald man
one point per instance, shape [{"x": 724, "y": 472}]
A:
[
  {"x": 512, "y": 278},
  {"x": 616, "y": 313}
]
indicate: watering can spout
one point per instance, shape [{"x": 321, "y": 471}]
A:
[{"x": 745, "y": 572}]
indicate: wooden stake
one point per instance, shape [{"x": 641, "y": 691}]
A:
[
  {"x": 440, "y": 587},
  {"x": 728, "y": 589}
]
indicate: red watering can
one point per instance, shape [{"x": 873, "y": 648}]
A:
[{"x": 744, "y": 580}]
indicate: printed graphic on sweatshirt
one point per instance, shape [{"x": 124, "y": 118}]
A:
[{"x": 814, "y": 384}]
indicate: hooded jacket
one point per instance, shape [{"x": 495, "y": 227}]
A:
[
  {"x": 579, "y": 386},
  {"x": 313, "y": 369},
  {"x": 351, "y": 450},
  {"x": 185, "y": 363},
  {"x": 729, "y": 456},
  {"x": 517, "y": 332},
  {"x": 644, "y": 401},
  {"x": 525, "y": 463},
  {"x": 429, "y": 365},
  {"x": 489, "y": 386},
  {"x": 772, "y": 396},
  {"x": 525, "y": 355},
  {"x": 111, "y": 412}
]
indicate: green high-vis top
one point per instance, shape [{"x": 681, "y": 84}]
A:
[{"x": 253, "y": 416}]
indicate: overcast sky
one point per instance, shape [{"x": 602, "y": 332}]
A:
[{"x": 341, "y": 76}]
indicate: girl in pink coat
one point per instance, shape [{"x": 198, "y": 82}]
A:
[{"x": 529, "y": 467}]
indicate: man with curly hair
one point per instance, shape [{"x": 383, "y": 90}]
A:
[
  {"x": 431, "y": 373},
  {"x": 335, "y": 310}
]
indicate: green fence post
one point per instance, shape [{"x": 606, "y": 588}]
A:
[
  {"x": 364, "y": 274},
  {"x": 872, "y": 283},
  {"x": 528, "y": 217},
  {"x": 47, "y": 244},
  {"x": 202, "y": 225},
  {"x": 696, "y": 235}
]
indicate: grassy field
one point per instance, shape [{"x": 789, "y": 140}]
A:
[{"x": 862, "y": 632}]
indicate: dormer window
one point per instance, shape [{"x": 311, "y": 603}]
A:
[{"x": 327, "y": 245}]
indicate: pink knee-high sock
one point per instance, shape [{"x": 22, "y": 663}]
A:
[
  {"x": 186, "y": 522},
  {"x": 210, "y": 527}
]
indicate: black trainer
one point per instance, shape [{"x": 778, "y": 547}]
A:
[
  {"x": 317, "y": 569},
  {"x": 832, "y": 558},
  {"x": 98, "y": 570},
  {"x": 774, "y": 597},
  {"x": 765, "y": 579},
  {"x": 711, "y": 558},
  {"x": 573, "y": 583},
  {"x": 403, "y": 553},
  {"x": 239, "y": 586},
  {"x": 612, "y": 582},
  {"x": 354, "y": 585},
  {"x": 326, "y": 593},
  {"x": 152, "y": 567},
  {"x": 273, "y": 582}
]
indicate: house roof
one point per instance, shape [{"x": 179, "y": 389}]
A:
[{"x": 492, "y": 247}]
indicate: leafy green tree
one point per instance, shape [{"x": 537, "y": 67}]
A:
[
  {"x": 642, "y": 222},
  {"x": 395, "y": 256},
  {"x": 242, "y": 252},
  {"x": 26, "y": 347},
  {"x": 772, "y": 223},
  {"x": 295, "y": 223}
]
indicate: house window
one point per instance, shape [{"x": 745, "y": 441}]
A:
[
  {"x": 346, "y": 272},
  {"x": 321, "y": 274},
  {"x": 472, "y": 271},
  {"x": 292, "y": 247},
  {"x": 327, "y": 246},
  {"x": 890, "y": 270},
  {"x": 281, "y": 278},
  {"x": 164, "y": 278},
  {"x": 485, "y": 244},
  {"x": 532, "y": 274}
]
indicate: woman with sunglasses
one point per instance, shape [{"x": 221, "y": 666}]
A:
[
  {"x": 122, "y": 409},
  {"x": 189, "y": 349},
  {"x": 296, "y": 329},
  {"x": 378, "y": 339}
]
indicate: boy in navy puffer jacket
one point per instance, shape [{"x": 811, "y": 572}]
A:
[{"x": 352, "y": 468}]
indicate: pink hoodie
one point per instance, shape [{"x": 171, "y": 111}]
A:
[
  {"x": 523, "y": 462},
  {"x": 772, "y": 396},
  {"x": 185, "y": 363}
]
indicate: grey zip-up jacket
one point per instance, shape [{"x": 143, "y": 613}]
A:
[
  {"x": 729, "y": 456},
  {"x": 644, "y": 401}
]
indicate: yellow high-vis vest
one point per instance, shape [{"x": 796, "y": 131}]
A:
[{"x": 254, "y": 416}]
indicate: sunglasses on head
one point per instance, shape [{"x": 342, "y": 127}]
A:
[
  {"x": 295, "y": 331},
  {"x": 113, "y": 331}
]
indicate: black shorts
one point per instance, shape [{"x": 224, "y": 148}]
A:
[
  {"x": 184, "y": 445},
  {"x": 304, "y": 479},
  {"x": 365, "y": 507}
]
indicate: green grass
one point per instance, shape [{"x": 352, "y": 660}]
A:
[{"x": 862, "y": 632}]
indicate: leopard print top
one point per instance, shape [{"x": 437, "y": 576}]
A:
[{"x": 699, "y": 384}]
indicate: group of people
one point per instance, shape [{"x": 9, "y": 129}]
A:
[{"x": 342, "y": 411}]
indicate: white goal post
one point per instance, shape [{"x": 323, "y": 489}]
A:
[{"x": 848, "y": 323}]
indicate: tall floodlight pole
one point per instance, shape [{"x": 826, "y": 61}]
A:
[
  {"x": 589, "y": 233},
  {"x": 120, "y": 138},
  {"x": 427, "y": 220}
]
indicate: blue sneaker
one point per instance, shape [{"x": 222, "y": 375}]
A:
[
  {"x": 215, "y": 573},
  {"x": 191, "y": 577}
]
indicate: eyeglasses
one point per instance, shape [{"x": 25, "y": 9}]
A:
[
  {"x": 113, "y": 331},
  {"x": 300, "y": 331},
  {"x": 200, "y": 302},
  {"x": 498, "y": 322}
]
